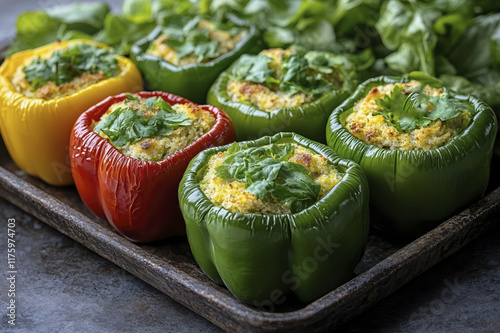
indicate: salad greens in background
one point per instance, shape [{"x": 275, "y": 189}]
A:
[{"x": 457, "y": 41}]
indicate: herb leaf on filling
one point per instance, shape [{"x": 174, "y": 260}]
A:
[
  {"x": 252, "y": 68},
  {"x": 313, "y": 73},
  {"x": 407, "y": 111},
  {"x": 125, "y": 126},
  {"x": 188, "y": 39},
  {"x": 66, "y": 64},
  {"x": 267, "y": 171}
]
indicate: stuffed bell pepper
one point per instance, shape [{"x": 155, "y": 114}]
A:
[
  {"x": 283, "y": 90},
  {"x": 274, "y": 216},
  {"x": 128, "y": 155},
  {"x": 426, "y": 151},
  {"x": 187, "y": 55},
  {"x": 42, "y": 93}
]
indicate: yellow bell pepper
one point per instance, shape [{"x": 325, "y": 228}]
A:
[{"x": 36, "y": 131}]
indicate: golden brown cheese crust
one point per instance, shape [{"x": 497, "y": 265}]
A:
[
  {"x": 233, "y": 196},
  {"x": 158, "y": 147},
  {"x": 378, "y": 131}
]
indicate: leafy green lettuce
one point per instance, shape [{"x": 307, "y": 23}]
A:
[
  {"x": 76, "y": 20},
  {"x": 455, "y": 40}
]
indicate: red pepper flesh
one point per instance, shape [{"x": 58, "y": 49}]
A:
[{"x": 138, "y": 198}]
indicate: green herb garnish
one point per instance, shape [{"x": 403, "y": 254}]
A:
[
  {"x": 252, "y": 68},
  {"x": 267, "y": 171},
  {"x": 125, "y": 126},
  {"x": 409, "y": 110},
  {"x": 313, "y": 73},
  {"x": 187, "y": 39},
  {"x": 67, "y": 64}
]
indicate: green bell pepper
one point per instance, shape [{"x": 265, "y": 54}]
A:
[
  {"x": 261, "y": 258},
  {"x": 308, "y": 120},
  {"x": 190, "y": 81},
  {"x": 411, "y": 192}
]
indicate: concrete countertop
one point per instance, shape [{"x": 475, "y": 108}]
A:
[{"x": 63, "y": 287}]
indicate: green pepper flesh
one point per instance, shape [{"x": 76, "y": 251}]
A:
[
  {"x": 411, "y": 192},
  {"x": 262, "y": 258}
]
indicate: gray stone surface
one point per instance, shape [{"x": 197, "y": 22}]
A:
[{"x": 63, "y": 287}]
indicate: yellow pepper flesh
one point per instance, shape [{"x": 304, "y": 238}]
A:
[{"x": 36, "y": 131}]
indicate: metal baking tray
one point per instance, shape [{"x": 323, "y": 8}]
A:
[{"x": 170, "y": 267}]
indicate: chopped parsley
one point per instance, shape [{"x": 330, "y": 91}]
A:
[
  {"x": 66, "y": 64},
  {"x": 254, "y": 68},
  {"x": 313, "y": 73},
  {"x": 126, "y": 126},
  {"x": 410, "y": 110},
  {"x": 187, "y": 39},
  {"x": 267, "y": 171}
]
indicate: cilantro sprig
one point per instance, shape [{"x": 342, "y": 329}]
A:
[
  {"x": 66, "y": 64},
  {"x": 267, "y": 171},
  {"x": 313, "y": 73},
  {"x": 126, "y": 126},
  {"x": 410, "y": 110}
]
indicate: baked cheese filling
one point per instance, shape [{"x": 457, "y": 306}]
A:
[
  {"x": 199, "y": 41},
  {"x": 278, "y": 78},
  {"x": 274, "y": 179},
  {"x": 65, "y": 71},
  {"x": 407, "y": 116},
  {"x": 150, "y": 129}
]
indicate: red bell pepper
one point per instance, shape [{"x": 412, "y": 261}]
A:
[{"x": 138, "y": 198}]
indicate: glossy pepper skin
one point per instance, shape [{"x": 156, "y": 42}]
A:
[
  {"x": 261, "y": 258},
  {"x": 308, "y": 120},
  {"x": 411, "y": 192},
  {"x": 138, "y": 198},
  {"x": 191, "y": 81},
  {"x": 36, "y": 131}
]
